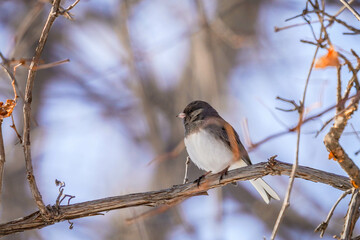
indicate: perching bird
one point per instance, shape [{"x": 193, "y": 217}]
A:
[{"x": 214, "y": 146}]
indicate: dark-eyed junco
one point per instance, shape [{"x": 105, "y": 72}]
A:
[{"x": 214, "y": 146}]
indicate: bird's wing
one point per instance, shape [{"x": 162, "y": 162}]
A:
[{"x": 222, "y": 130}]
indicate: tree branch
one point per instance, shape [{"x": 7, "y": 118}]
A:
[
  {"x": 331, "y": 141},
  {"x": 351, "y": 9},
  {"x": 351, "y": 216},
  {"x": 27, "y": 107},
  {"x": 2, "y": 157},
  {"x": 322, "y": 227},
  {"x": 170, "y": 195}
]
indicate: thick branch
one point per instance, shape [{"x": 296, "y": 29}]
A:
[
  {"x": 27, "y": 107},
  {"x": 332, "y": 144},
  {"x": 170, "y": 195}
]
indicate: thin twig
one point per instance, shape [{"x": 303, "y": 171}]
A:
[
  {"x": 50, "y": 65},
  {"x": 13, "y": 83},
  {"x": 322, "y": 227},
  {"x": 352, "y": 215},
  {"x": 173, "y": 194},
  {"x": 186, "y": 170},
  {"x": 12, "y": 78},
  {"x": 351, "y": 105},
  {"x": 278, "y": 29},
  {"x": 306, "y": 120},
  {"x": 355, "y": 132},
  {"x": 2, "y": 158},
  {"x": 351, "y": 9},
  {"x": 172, "y": 154},
  {"x": 353, "y": 70},
  {"x": 27, "y": 108},
  {"x": 342, "y": 9},
  {"x": 71, "y": 6},
  {"x": 351, "y": 82},
  {"x": 286, "y": 201},
  {"x": 338, "y": 92},
  {"x": 351, "y": 28},
  {"x": 13, "y": 126}
]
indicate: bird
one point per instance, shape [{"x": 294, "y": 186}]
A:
[{"x": 213, "y": 145}]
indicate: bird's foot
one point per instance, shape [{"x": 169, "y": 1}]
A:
[
  {"x": 223, "y": 173},
  {"x": 197, "y": 181}
]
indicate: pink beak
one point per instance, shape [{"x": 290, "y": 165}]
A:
[{"x": 181, "y": 115}]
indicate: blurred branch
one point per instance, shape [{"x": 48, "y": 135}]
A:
[
  {"x": 169, "y": 155},
  {"x": 306, "y": 120},
  {"x": 351, "y": 9},
  {"x": 322, "y": 227},
  {"x": 351, "y": 216},
  {"x": 171, "y": 195},
  {"x": 27, "y": 107},
  {"x": 2, "y": 157},
  {"x": 69, "y": 8},
  {"x": 331, "y": 19}
]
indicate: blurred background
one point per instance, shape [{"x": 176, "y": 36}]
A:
[{"x": 100, "y": 119}]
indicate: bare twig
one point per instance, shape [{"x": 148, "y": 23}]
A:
[
  {"x": 352, "y": 81},
  {"x": 278, "y": 29},
  {"x": 61, "y": 186},
  {"x": 165, "y": 156},
  {"x": 351, "y": 216},
  {"x": 342, "y": 9},
  {"x": 71, "y": 6},
  {"x": 308, "y": 119},
  {"x": 60, "y": 198},
  {"x": 322, "y": 227},
  {"x": 2, "y": 158},
  {"x": 286, "y": 201},
  {"x": 292, "y": 102},
  {"x": 13, "y": 126},
  {"x": 338, "y": 92},
  {"x": 351, "y": 9},
  {"x": 6, "y": 113},
  {"x": 186, "y": 170},
  {"x": 27, "y": 108},
  {"x": 13, "y": 83},
  {"x": 12, "y": 78},
  {"x": 338, "y": 114},
  {"x": 171, "y": 195},
  {"x": 65, "y": 12},
  {"x": 351, "y": 28},
  {"x": 50, "y": 65}
]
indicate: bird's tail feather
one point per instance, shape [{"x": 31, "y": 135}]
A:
[
  {"x": 264, "y": 189},
  {"x": 260, "y": 185}
]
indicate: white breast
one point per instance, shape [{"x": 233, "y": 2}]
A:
[{"x": 207, "y": 152}]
